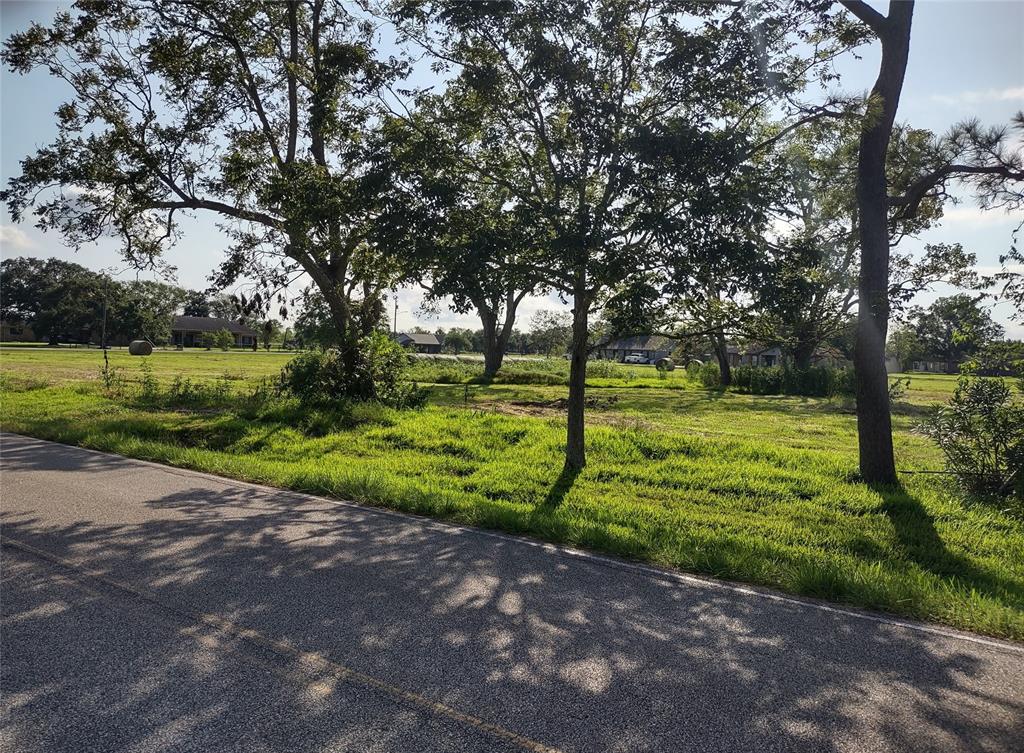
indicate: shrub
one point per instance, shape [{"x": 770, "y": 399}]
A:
[
  {"x": 601, "y": 369},
  {"x": 149, "y": 388},
  {"x": 374, "y": 370},
  {"x": 707, "y": 373},
  {"x": 224, "y": 339},
  {"x": 981, "y": 434},
  {"x": 897, "y": 389},
  {"x": 816, "y": 381}
]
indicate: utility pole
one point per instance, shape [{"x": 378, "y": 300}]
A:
[{"x": 395, "y": 320}]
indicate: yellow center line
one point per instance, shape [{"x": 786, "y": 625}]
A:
[{"x": 307, "y": 659}]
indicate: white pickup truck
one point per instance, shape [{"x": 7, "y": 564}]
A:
[{"x": 635, "y": 358}]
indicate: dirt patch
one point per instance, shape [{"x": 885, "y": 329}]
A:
[
  {"x": 545, "y": 408},
  {"x": 562, "y": 403}
]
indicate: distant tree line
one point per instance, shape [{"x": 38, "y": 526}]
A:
[
  {"x": 64, "y": 302},
  {"x": 549, "y": 334},
  {"x": 955, "y": 333}
]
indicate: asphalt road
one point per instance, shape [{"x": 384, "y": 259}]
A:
[{"x": 153, "y": 609}]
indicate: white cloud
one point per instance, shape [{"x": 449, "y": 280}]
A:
[
  {"x": 1010, "y": 93},
  {"x": 15, "y": 237},
  {"x": 976, "y": 216}
]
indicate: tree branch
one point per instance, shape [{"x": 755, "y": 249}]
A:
[
  {"x": 875, "y": 20},
  {"x": 915, "y": 194}
]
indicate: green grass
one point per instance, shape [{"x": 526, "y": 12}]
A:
[{"x": 750, "y": 488}]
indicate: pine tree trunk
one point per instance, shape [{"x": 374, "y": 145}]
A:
[
  {"x": 575, "y": 452},
  {"x": 874, "y": 422}
]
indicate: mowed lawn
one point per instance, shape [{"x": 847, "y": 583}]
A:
[{"x": 761, "y": 489}]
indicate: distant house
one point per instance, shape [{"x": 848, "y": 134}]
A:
[
  {"x": 12, "y": 332},
  {"x": 421, "y": 342},
  {"x": 651, "y": 347},
  {"x": 752, "y": 354},
  {"x": 756, "y": 354},
  {"x": 935, "y": 367},
  {"x": 188, "y": 331}
]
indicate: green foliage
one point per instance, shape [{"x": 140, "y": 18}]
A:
[
  {"x": 955, "y": 328},
  {"x": 601, "y": 368},
  {"x": 708, "y": 373},
  {"x": 269, "y": 331},
  {"x": 60, "y": 300},
  {"x": 550, "y": 332},
  {"x": 997, "y": 358},
  {"x": 371, "y": 370},
  {"x": 458, "y": 341},
  {"x": 815, "y": 381},
  {"x": 222, "y": 339},
  {"x": 111, "y": 377},
  {"x": 149, "y": 387},
  {"x": 897, "y": 388},
  {"x": 981, "y": 434},
  {"x": 142, "y": 309},
  {"x": 64, "y": 301},
  {"x": 905, "y": 346}
]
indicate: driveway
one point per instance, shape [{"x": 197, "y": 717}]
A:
[{"x": 153, "y": 609}]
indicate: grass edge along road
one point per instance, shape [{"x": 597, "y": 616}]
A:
[{"x": 753, "y": 489}]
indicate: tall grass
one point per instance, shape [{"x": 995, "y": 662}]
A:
[{"x": 751, "y": 488}]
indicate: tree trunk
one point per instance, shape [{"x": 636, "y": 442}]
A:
[
  {"x": 803, "y": 355},
  {"x": 575, "y": 453},
  {"x": 722, "y": 353},
  {"x": 494, "y": 350},
  {"x": 874, "y": 422},
  {"x": 496, "y": 338}
]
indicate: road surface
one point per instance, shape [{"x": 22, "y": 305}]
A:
[{"x": 152, "y": 609}]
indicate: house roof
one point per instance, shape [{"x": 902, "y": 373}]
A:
[
  {"x": 759, "y": 349},
  {"x": 642, "y": 342},
  {"x": 418, "y": 338},
  {"x": 209, "y": 324}
]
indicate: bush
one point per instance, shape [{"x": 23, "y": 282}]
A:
[
  {"x": 816, "y": 381},
  {"x": 707, "y": 374},
  {"x": 374, "y": 370},
  {"x": 224, "y": 339},
  {"x": 981, "y": 433},
  {"x": 602, "y": 369},
  {"x": 220, "y": 339}
]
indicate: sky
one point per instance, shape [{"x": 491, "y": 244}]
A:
[{"x": 966, "y": 60}]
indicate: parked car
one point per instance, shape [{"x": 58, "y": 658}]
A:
[{"x": 635, "y": 358}]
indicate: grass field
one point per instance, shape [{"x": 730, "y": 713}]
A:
[{"x": 760, "y": 489}]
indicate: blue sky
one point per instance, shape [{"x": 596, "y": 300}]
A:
[{"x": 966, "y": 60}]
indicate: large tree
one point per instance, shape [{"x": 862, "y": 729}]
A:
[
  {"x": 977, "y": 156},
  {"x": 143, "y": 309},
  {"x": 60, "y": 300},
  {"x": 560, "y": 104},
  {"x": 253, "y": 112},
  {"x": 953, "y": 329},
  {"x": 461, "y": 242}
]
